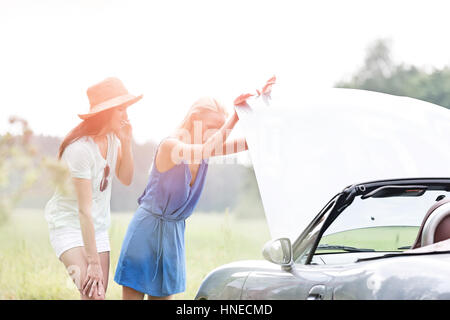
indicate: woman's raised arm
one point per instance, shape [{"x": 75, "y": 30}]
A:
[
  {"x": 174, "y": 151},
  {"x": 230, "y": 147}
]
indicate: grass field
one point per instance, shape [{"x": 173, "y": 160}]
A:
[{"x": 29, "y": 268}]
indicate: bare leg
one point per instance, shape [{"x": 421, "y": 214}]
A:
[
  {"x": 76, "y": 264},
  {"x": 131, "y": 294},
  {"x": 160, "y": 298}
]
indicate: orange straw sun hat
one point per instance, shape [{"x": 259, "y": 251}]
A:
[{"x": 107, "y": 94}]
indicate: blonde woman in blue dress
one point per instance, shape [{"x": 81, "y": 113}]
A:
[{"x": 152, "y": 259}]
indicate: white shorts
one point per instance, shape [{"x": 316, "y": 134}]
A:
[{"x": 63, "y": 239}]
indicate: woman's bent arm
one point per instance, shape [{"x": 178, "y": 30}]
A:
[
  {"x": 174, "y": 151},
  {"x": 231, "y": 146},
  {"x": 125, "y": 164}
]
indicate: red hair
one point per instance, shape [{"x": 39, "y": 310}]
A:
[{"x": 89, "y": 127}]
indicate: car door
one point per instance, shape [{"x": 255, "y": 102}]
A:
[{"x": 301, "y": 282}]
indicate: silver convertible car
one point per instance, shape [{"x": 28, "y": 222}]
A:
[
  {"x": 355, "y": 248},
  {"x": 380, "y": 239}
]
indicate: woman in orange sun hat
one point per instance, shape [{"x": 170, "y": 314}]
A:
[{"x": 78, "y": 220}]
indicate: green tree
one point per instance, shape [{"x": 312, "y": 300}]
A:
[
  {"x": 379, "y": 73},
  {"x": 21, "y": 166},
  {"x": 17, "y": 172}
]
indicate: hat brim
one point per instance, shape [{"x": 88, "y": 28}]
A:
[{"x": 121, "y": 101}]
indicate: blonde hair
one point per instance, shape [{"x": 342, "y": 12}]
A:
[{"x": 204, "y": 104}]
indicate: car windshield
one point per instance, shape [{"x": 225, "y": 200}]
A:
[{"x": 378, "y": 224}]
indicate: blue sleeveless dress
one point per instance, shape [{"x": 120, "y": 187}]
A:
[{"x": 152, "y": 259}]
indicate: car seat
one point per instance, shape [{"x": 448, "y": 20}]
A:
[{"x": 435, "y": 225}]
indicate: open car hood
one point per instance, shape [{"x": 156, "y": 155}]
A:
[{"x": 306, "y": 147}]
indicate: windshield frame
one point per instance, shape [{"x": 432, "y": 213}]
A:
[{"x": 344, "y": 199}]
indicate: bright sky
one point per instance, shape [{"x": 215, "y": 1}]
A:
[{"x": 176, "y": 51}]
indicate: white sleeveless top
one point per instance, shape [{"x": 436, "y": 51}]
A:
[{"x": 84, "y": 160}]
